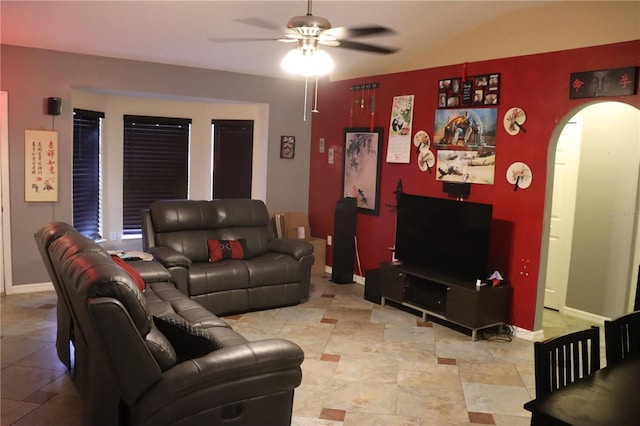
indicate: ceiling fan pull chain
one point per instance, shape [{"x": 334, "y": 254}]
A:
[
  {"x": 315, "y": 105},
  {"x": 306, "y": 86}
]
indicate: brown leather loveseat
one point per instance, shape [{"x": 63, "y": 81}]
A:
[
  {"x": 146, "y": 354},
  {"x": 273, "y": 272}
]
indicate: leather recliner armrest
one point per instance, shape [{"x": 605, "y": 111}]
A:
[
  {"x": 251, "y": 358},
  {"x": 292, "y": 247},
  {"x": 221, "y": 377},
  {"x": 169, "y": 257},
  {"x": 151, "y": 272}
]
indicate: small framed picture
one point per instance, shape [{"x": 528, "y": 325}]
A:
[
  {"x": 453, "y": 101},
  {"x": 287, "y": 146},
  {"x": 442, "y": 100},
  {"x": 478, "y": 97},
  {"x": 494, "y": 82},
  {"x": 482, "y": 81}
]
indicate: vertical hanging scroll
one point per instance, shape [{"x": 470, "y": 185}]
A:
[
  {"x": 41, "y": 166},
  {"x": 399, "y": 147}
]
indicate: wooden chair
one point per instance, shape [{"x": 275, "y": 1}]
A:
[
  {"x": 622, "y": 337},
  {"x": 565, "y": 359}
]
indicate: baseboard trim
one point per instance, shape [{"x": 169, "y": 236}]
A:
[
  {"x": 587, "y": 316},
  {"x": 531, "y": 336},
  {"x": 30, "y": 288}
]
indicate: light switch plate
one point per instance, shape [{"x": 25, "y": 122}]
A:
[
  {"x": 330, "y": 156},
  {"x": 321, "y": 144}
]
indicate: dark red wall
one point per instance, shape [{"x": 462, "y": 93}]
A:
[{"x": 536, "y": 83}]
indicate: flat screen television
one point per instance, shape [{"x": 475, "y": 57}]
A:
[{"x": 444, "y": 236}]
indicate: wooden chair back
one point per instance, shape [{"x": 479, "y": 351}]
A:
[
  {"x": 565, "y": 359},
  {"x": 622, "y": 337}
]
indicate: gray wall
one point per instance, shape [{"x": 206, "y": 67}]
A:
[
  {"x": 30, "y": 76},
  {"x": 606, "y": 210}
]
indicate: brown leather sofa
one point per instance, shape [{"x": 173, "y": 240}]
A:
[
  {"x": 276, "y": 273},
  {"x": 156, "y": 357}
]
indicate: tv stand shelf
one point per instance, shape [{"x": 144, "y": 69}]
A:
[{"x": 453, "y": 300}]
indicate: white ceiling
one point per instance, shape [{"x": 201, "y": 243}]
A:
[{"x": 178, "y": 32}]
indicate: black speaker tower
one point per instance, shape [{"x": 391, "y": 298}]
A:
[
  {"x": 372, "y": 286},
  {"x": 344, "y": 246}
]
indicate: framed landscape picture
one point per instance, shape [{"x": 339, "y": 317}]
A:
[
  {"x": 362, "y": 160},
  {"x": 465, "y": 140}
]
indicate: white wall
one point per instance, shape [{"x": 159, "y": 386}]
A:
[{"x": 606, "y": 210}]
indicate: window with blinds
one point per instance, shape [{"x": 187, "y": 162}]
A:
[
  {"x": 155, "y": 165},
  {"x": 86, "y": 172}
]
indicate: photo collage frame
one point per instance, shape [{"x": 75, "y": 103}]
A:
[{"x": 478, "y": 90}]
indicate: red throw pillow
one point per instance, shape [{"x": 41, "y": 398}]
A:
[
  {"x": 227, "y": 249},
  {"x": 133, "y": 273}
]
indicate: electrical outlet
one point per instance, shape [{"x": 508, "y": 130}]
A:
[
  {"x": 524, "y": 271},
  {"x": 329, "y": 240},
  {"x": 113, "y": 235}
]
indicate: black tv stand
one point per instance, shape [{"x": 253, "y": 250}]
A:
[{"x": 451, "y": 299}]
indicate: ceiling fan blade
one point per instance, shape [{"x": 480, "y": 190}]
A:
[
  {"x": 329, "y": 42},
  {"x": 288, "y": 39},
  {"x": 344, "y": 33},
  {"x": 237, "y": 39},
  {"x": 260, "y": 23},
  {"x": 364, "y": 47}
]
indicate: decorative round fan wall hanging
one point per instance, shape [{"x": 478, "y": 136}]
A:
[
  {"x": 514, "y": 120},
  {"x": 519, "y": 175},
  {"x": 426, "y": 160},
  {"x": 422, "y": 141}
]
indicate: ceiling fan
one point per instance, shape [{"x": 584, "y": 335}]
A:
[{"x": 310, "y": 31}]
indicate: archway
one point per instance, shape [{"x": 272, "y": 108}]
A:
[{"x": 604, "y": 256}]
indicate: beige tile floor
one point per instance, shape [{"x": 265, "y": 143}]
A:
[{"x": 364, "y": 364}]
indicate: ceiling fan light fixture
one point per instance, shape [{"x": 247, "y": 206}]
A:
[
  {"x": 308, "y": 25},
  {"x": 307, "y": 62}
]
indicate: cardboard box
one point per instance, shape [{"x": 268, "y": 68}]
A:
[
  {"x": 296, "y": 225},
  {"x": 292, "y": 225},
  {"x": 320, "y": 254},
  {"x": 277, "y": 221}
]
